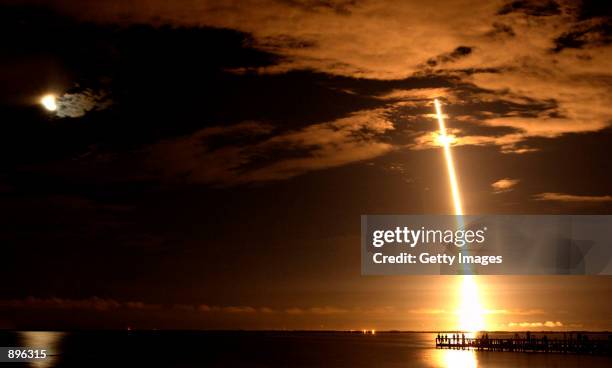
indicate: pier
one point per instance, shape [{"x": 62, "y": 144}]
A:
[{"x": 567, "y": 344}]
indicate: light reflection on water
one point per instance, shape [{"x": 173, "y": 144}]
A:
[
  {"x": 277, "y": 349},
  {"x": 449, "y": 358},
  {"x": 48, "y": 340}
]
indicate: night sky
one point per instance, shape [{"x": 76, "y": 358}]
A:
[{"x": 209, "y": 161}]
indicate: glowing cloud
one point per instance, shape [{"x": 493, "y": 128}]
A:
[
  {"x": 75, "y": 105},
  {"x": 504, "y": 185},
  {"x": 562, "y": 197}
]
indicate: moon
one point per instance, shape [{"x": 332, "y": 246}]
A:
[{"x": 48, "y": 101}]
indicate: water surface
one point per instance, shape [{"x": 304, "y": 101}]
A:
[{"x": 270, "y": 349}]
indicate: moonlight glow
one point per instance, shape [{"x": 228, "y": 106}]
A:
[{"x": 48, "y": 101}]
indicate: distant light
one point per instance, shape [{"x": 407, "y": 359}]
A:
[
  {"x": 373, "y": 332},
  {"x": 48, "y": 101}
]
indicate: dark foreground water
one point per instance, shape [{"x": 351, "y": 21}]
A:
[{"x": 269, "y": 349}]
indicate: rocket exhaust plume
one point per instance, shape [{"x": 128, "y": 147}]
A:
[
  {"x": 470, "y": 311},
  {"x": 450, "y": 166}
]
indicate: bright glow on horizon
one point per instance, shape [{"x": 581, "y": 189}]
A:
[
  {"x": 48, "y": 101},
  {"x": 470, "y": 310}
]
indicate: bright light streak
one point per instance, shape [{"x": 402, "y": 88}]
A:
[
  {"x": 446, "y": 141},
  {"x": 48, "y": 101},
  {"x": 470, "y": 311}
]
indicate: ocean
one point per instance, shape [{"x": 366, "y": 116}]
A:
[{"x": 269, "y": 349}]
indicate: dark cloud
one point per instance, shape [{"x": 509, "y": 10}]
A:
[
  {"x": 459, "y": 52},
  {"x": 94, "y": 303},
  {"x": 589, "y": 34},
  {"x": 338, "y": 6},
  {"x": 538, "y": 8},
  {"x": 593, "y": 28},
  {"x": 281, "y": 42},
  {"x": 589, "y": 9},
  {"x": 500, "y": 29}
]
